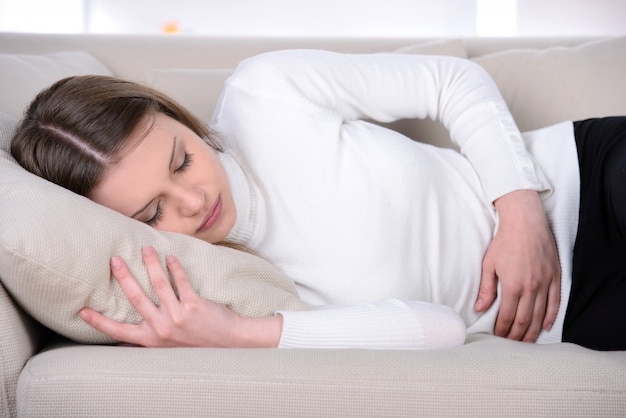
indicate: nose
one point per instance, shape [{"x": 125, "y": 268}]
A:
[{"x": 190, "y": 200}]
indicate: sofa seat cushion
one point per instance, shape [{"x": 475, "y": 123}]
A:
[{"x": 488, "y": 376}]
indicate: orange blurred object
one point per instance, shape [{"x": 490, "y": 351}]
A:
[{"x": 171, "y": 27}]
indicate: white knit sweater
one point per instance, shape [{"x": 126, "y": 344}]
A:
[{"x": 366, "y": 220}]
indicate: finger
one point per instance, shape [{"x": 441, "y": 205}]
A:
[
  {"x": 120, "y": 332},
  {"x": 554, "y": 300},
  {"x": 159, "y": 279},
  {"x": 506, "y": 315},
  {"x": 523, "y": 317},
  {"x": 183, "y": 286},
  {"x": 538, "y": 314},
  {"x": 134, "y": 293},
  {"x": 487, "y": 291}
]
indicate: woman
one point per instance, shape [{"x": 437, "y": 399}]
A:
[{"x": 351, "y": 211}]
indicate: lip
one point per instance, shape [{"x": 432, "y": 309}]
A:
[{"x": 212, "y": 216}]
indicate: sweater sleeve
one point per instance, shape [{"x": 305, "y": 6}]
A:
[
  {"x": 388, "y": 87},
  {"x": 390, "y": 324}
]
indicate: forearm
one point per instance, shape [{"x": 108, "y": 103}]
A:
[
  {"x": 387, "y": 87},
  {"x": 390, "y": 324},
  {"x": 185, "y": 319},
  {"x": 494, "y": 146}
]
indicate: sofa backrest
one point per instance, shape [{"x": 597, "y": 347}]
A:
[
  {"x": 131, "y": 56},
  {"x": 544, "y": 80}
]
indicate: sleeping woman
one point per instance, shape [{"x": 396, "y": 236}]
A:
[{"x": 398, "y": 244}]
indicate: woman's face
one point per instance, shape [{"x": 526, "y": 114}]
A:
[{"x": 172, "y": 180}]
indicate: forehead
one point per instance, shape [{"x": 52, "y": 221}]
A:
[
  {"x": 151, "y": 129},
  {"x": 141, "y": 168}
]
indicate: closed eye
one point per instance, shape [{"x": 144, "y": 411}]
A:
[
  {"x": 158, "y": 215},
  {"x": 186, "y": 163}
]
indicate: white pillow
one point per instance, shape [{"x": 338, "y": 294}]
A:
[
  {"x": 55, "y": 246},
  {"x": 544, "y": 87},
  {"x": 22, "y": 76}
]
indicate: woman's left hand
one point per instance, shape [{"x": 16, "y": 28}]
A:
[
  {"x": 523, "y": 257},
  {"x": 186, "y": 320}
]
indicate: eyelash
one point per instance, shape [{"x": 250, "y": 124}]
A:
[
  {"x": 186, "y": 163},
  {"x": 158, "y": 215}
]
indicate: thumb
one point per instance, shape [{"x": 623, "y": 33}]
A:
[{"x": 487, "y": 291}]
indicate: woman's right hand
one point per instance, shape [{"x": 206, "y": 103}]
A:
[{"x": 186, "y": 320}]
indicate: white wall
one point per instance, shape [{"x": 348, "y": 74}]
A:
[
  {"x": 287, "y": 17},
  {"x": 571, "y": 17},
  {"x": 46, "y": 16},
  {"x": 391, "y": 18}
]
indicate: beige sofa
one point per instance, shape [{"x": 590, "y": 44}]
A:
[{"x": 543, "y": 80}]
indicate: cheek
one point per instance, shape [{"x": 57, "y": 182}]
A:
[
  {"x": 171, "y": 222},
  {"x": 211, "y": 167}
]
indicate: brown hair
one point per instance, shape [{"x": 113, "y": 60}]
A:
[{"x": 75, "y": 129}]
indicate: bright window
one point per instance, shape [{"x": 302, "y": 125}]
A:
[{"x": 323, "y": 18}]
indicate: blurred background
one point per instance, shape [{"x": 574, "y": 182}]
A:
[{"x": 319, "y": 18}]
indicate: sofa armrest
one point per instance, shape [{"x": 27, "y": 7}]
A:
[{"x": 20, "y": 338}]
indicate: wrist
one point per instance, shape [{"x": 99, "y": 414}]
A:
[
  {"x": 263, "y": 332},
  {"x": 518, "y": 202}
]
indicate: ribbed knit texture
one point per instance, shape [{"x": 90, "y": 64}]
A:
[
  {"x": 390, "y": 324},
  {"x": 356, "y": 213},
  {"x": 247, "y": 201}
]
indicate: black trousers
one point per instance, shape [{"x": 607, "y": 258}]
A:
[{"x": 596, "y": 313}]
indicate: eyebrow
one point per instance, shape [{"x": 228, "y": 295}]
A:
[
  {"x": 170, "y": 168},
  {"x": 173, "y": 152}
]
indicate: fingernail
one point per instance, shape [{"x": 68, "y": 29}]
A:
[
  {"x": 548, "y": 326},
  {"x": 84, "y": 315},
  {"x": 170, "y": 259},
  {"x": 148, "y": 251},
  {"x": 116, "y": 263}
]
